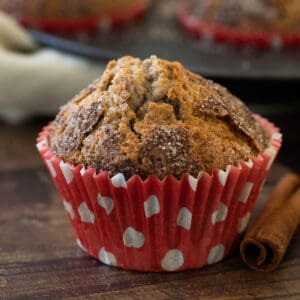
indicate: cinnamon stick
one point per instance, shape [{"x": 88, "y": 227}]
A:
[{"x": 265, "y": 244}]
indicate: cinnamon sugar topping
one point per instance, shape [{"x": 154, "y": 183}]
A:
[{"x": 154, "y": 117}]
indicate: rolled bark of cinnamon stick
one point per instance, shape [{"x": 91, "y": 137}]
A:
[{"x": 265, "y": 244}]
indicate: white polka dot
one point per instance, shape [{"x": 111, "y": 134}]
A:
[
  {"x": 173, "y": 260},
  {"x": 193, "y": 183},
  {"x": 119, "y": 181},
  {"x": 66, "y": 170},
  {"x": 223, "y": 175},
  {"x": 244, "y": 222},
  {"x": 216, "y": 253},
  {"x": 151, "y": 206},
  {"x": 272, "y": 153},
  {"x": 51, "y": 168},
  {"x": 86, "y": 215},
  {"x": 80, "y": 245},
  {"x": 107, "y": 257},
  {"x": 262, "y": 184},
  {"x": 184, "y": 218},
  {"x": 133, "y": 238},
  {"x": 42, "y": 144},
  {"x": 249, "y": 163},
  {"x": 107, "y": 203},
  {"x": 69, "y": 209},
  {"x": 276, "y": 136},
  {"x": 82, "y": 171},
  {"x": 220, "y": 214},
  {"x": 246, "y": 192}
]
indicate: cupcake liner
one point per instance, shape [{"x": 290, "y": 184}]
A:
[
  {"x": 223, "y": 34},
  {"x": 92, "y": 23},
  {"x": 154, "y": 225}
]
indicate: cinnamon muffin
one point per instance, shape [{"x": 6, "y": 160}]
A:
[
  {"x": 59, "y": 8},
  {"x": 154, "y": 117},
  {"x": 249, "y": 15},
  {"x": 76, "y": 16}
]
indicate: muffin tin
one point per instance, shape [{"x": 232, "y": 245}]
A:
[{"x": 159, "y": 33}]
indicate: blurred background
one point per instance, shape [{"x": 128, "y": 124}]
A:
[{"x": 51, "y": 49}]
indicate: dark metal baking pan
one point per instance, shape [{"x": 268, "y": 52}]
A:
[{"x": 159, "y": 33}]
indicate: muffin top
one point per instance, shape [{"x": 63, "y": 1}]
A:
[
  {"x": 273, "y": 15},
  {"x": 63, "y": 8},
  {"x": 154, "y": 117}
]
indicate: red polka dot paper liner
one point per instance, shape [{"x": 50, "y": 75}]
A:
[
  {"x": 82, "y": 24},
  {"x": 223, "y": 34},
  {"x": 154, "y": 225}
]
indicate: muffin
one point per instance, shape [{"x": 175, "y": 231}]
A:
[
  {"x": 173, "y": 159},
  {"x": 73, "y": 15},
  {"x": 263, "y": 18},
  {"x": 154, "y": 117}
]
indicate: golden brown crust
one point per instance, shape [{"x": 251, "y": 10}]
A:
[
  {"x": 273, "y": 15},
  {"x": 154, "y": 117}
]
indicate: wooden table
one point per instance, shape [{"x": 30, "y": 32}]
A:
[{"x": 39, "y": 258}]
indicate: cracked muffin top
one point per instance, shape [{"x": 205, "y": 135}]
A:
[
  {"x": 273, "y": 15},
  {"x": 154, "y": 117}
]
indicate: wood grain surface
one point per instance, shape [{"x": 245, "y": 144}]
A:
[{"x": 40, "y": 260}]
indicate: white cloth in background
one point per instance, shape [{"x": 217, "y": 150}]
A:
[{"x": 36, "y": 81}]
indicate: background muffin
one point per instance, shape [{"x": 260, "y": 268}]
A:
[
  {"x": 259, "y": 23},
  {"x": 154, "y": 117},
  {"x": 272, "y": 15},
  {"x": 59, "y": 8},
  {"x": 52, "y": 15}
]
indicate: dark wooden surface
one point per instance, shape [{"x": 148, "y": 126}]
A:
[{"x": 39, "y": 258}]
